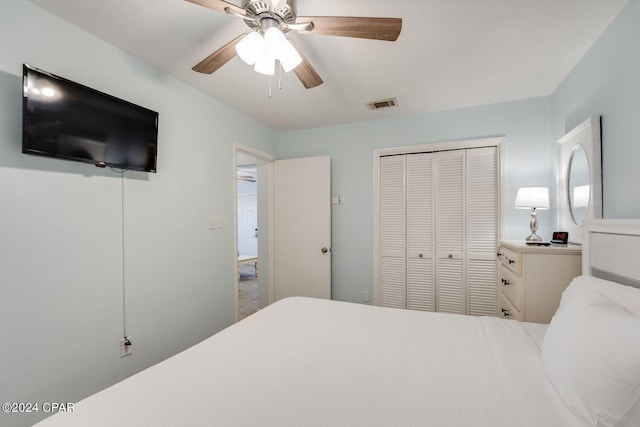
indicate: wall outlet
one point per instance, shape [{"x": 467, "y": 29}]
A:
[
  {"x": 126, "y": 346},
  {"x": 365, "y": 296}
]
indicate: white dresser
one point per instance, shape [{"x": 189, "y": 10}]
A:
[{"x": 531, "y": 279}]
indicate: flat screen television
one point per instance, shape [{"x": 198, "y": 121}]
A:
[{"x": 67, "y": 120}]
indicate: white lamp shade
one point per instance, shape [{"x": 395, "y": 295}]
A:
[
  {"x": 580, "y": 196},
  {"x": 265, "y": 64},
  {"x": 289, "y": 56},
  {"x": 273, "y": 40},
  {"x": 250, "y": 47},
  {"x": 532, "y": 197}
]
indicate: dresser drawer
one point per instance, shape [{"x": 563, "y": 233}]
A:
[
  {"x": 510, "y": 259},
  {"x": 506, "y": 309},
  {"x": 511, "y": 286}
]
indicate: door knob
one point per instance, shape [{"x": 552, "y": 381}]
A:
[{"x": 324, "y": 250}]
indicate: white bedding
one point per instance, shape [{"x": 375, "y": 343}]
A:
[
  {"x": 308, "y": 362},
  {"x": 536, "y": 331}
]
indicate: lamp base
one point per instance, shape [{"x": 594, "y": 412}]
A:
[
  {"x": 533, "y": 238},
  {"x": 533, "y": 225}
]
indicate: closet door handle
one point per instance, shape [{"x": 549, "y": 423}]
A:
[{"x": 324, "y": 250}]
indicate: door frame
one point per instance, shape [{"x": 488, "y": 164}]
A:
[
  {"x": 268, "y": 159},
  {"x": 498, "y": 142}
]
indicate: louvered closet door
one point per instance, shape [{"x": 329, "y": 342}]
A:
[
  {"x": 393, "y": 232},
  {"x": 438, "y": 231},
  {"x": 450, "y": 231},
  {"x": 482, "y": 230},
  {"x": 420, "y": 229}
]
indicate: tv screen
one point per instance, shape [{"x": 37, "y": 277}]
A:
[{"x": 70, "y": 121}]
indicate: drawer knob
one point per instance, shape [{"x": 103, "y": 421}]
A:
[
  {"x": 450, "y": 256},
  {"x": 499, "y": 254},
  {"x": 420, "y": 255},
  {"x": 511, "y": 261}
]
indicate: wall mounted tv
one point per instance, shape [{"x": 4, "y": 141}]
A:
[{"x": 67, "y": 120}]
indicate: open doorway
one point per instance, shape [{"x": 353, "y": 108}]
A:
[
  {"x": 247, "y": 232},
  {"x": 253, "y": 180}
]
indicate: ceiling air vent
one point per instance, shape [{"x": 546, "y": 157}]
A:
[{"x": 383, "y": 103}]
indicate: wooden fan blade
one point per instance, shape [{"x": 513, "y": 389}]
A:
[
  {"x": 218, "y": 58},
  {"x": 217, "y": 5},
  {"x": 349, "y": 26},
  {"x": 307, "y": 75}
]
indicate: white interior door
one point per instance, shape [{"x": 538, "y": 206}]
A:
[
  {"x": 302, "y": 227},
  {"x": 248, "y": 224}
]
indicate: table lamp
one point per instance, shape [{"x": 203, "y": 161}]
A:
[{"x": 533, "y": 198}]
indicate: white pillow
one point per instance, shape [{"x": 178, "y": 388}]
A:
[
  {"x": 591, "y": 353},
  {"x": 626, "y": 296}
]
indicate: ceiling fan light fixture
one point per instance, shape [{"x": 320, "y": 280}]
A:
[{"x": 251, "y": 47}]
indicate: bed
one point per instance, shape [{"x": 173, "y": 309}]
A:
[{"x": 310, "y": 362}]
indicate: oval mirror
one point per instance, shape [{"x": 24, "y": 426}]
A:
[
  {"x": 579, "y": 177},
  {"x": 578, "y": 184}
]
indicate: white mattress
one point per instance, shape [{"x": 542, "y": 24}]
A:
[{"x": 308, "y": 362}]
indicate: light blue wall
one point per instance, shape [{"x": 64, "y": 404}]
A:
[
  {"x": 61, "y": 292},
  {"x": 607, "y": 82},
  {"x": 529, "y": 152}
]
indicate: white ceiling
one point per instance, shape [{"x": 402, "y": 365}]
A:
[{"x": 450, "y": 53}]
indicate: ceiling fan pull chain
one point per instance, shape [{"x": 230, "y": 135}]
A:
[
  {"x": 270, "y": 87},
  {"x": 279, "y": 75}
]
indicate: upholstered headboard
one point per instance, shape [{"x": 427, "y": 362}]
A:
[{"x": 611, "y": 250}]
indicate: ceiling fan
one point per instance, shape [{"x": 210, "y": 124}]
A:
[{"x": 269, "y": 19}]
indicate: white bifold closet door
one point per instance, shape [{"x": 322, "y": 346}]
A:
[
  {"x": 482, "y": 230},
  {"x": 421, "y": 291},
  {"x": 438, "y": 231},
  {"x": 393, "y": 228},
  {"x": 450, "y": 242}
]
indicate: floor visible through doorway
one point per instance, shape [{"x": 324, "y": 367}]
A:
[{"x": 247, "y": 292}]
